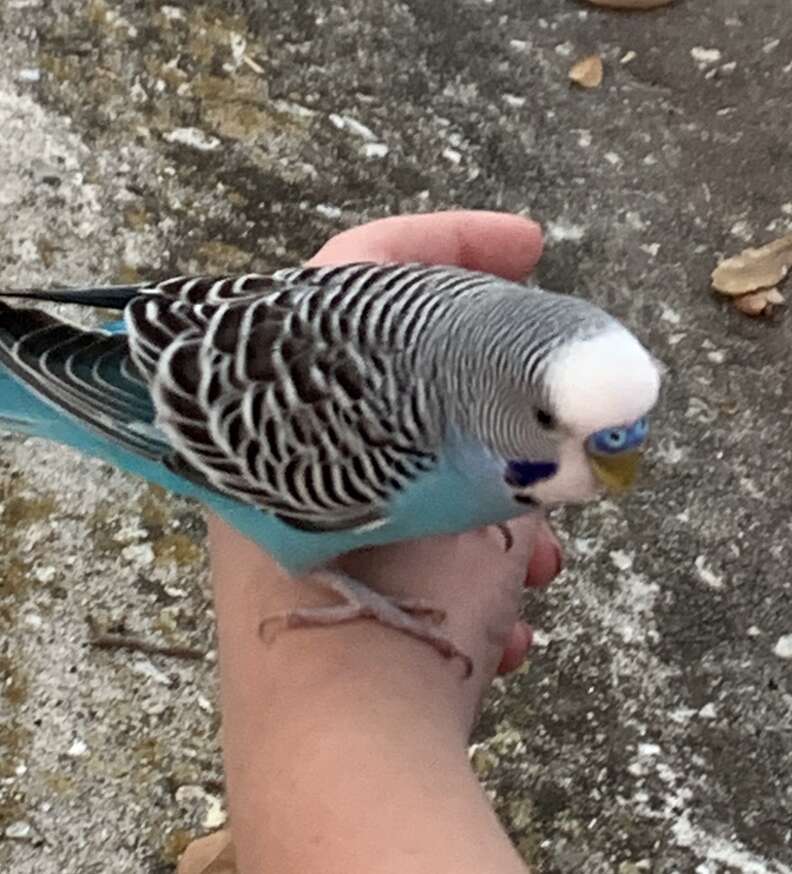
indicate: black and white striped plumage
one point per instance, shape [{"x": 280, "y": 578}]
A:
[{"x": 295, "y": 391}]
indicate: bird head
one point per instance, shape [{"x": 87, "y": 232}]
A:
[{"x": 595, "y": 394}]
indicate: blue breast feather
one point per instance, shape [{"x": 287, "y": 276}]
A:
[{"x": 465, "y": 490}]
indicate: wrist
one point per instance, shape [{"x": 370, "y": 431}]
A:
[{"x": 341, "y": 767}]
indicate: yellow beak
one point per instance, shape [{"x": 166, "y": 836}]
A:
[{"x": 616, "y": 472}]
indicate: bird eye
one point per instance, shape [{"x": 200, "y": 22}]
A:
[
  {"x": 615, "y": 440},
  {"x": 544, "y": 418},
  {"x": 609, "y": 440}
]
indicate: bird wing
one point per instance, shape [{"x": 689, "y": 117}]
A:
[
  {"x": 87, "y": 374},
  {"x": 291, "y": 392}
]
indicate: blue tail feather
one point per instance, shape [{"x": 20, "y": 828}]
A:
[{"x": 20, "y": 411}]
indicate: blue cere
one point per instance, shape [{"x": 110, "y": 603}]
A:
[
  {"x": 611, "y": 441},
  {"x": 522, "y": 474}
]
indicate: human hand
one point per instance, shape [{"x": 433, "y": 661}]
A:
[{"x": 385, "y": 698}]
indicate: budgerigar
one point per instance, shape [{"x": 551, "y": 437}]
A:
[{"x": 319, "y": 410}]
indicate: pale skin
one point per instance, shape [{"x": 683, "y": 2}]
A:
[{"x": 346, "y": 747}]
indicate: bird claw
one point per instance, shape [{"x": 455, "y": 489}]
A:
[
  {"x": 508, "y": 537},
  {"x": 419, "y": 607},
  {"x": 361, "y": 602}
]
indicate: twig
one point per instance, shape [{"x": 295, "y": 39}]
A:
[
  {"x": 106, "y": 640},
  {"x": 257, "y": 68},
  {"x": 121, "y": 641}
]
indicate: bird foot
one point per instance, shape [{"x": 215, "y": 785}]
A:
[{"x": 414, "y": 617}]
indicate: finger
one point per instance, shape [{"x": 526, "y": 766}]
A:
[
  {"x": 514, "y": 652},
  {"x": 547, "y": 559},
  {"x": 493, "y": 242}
]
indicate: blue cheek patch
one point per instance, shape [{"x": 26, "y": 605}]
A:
[{"x": 521, "y": 474}]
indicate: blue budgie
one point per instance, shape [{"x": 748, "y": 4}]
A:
[{"x": 319, "y": 410}]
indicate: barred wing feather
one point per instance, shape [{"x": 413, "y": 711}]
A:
[{"x": 281, "y": 393}]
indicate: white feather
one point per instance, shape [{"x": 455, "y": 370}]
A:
[
  {"x": 605, "y": 381},
  {"x": 574, "y": 483}
]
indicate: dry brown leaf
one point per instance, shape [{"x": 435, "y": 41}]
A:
[
  {"x": 213, "y": 854},
  {"x": 751, "y": 304},
  {"x": 587, "y": 72},
  {"x": 759, "y": 302},
  {"x": 754, "y": 268},
  {"x": 631, "y": 4}
]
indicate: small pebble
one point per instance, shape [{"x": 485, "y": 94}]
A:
[
  {"x": 19, "y": 830},
  {"x": 704, "y": 56},
  {"x": 78, "y": 748},
  {"x": 783, "y": 647}
]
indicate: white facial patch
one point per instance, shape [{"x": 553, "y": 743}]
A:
[
  {"x": 602, "y": 382},
  {"x": 574, "y": 483}
]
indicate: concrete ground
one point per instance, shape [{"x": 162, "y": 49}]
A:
[{"x": 651, "y": 730}]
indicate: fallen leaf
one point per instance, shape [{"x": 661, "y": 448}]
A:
[
  {"x": 751, "y": 304},
  {"x": 587, "y": 72},
  {"x": 213, "y": 854},
  {"x": 754, "y": 268},
  {"x": 759, "y": 302},
  {"x": 631, "y": 4}
]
